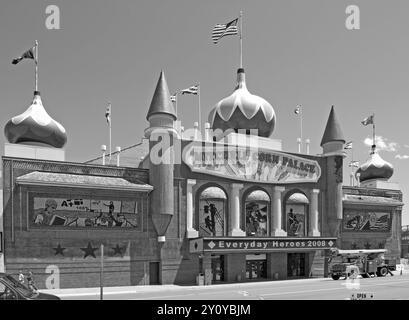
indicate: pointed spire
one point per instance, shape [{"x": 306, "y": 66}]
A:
[
  {"x": 161, "y": 102},
  {"x": 333, "y": 130}
]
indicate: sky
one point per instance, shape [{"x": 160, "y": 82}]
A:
[{"x": 294, "y": 52}]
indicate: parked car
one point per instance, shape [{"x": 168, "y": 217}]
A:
[{"x": 11, "y": 289}]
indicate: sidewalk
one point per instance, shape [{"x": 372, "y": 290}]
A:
[
  {"x": 163, "y": 288},
  {"x": 172, "y": 287}
]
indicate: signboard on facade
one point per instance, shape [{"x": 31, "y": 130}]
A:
[
  {"x": 249, "y": 164},
  {"x": 260, "y": 244}
]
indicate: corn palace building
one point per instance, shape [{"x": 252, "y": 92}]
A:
[{"x": 223, "y": 204}]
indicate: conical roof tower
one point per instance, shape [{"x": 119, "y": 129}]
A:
[
  {"x": 161, "y": 103},
  {"x": 333, "y": 138}
]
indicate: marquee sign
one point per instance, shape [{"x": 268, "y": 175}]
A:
[
  {"x": 201, "y": 245},
  {"x": 249, "y": 164}
]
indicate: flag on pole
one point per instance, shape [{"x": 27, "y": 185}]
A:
[
  {"x": 348, "y": 145},
  {"x": 108, "y": 114},
  {"x": 368, "y": 120},
  {"x": 191, "y": 90},
  {"x": 354, "y": 164},
  {"x": 173, "y": 98},
  {"x": 221, "y": 30},
  {"x": 29, "y": 54},
  {"x": 297, "y": 109}
]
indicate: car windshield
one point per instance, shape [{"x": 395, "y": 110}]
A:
[{"x": 19, "y": 286}]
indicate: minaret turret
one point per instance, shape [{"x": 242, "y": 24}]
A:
[
  {"x": 161, "y": 134},
  {"x": 332, "y": 144}
]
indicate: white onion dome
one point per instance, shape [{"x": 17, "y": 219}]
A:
[
  {"x": 243, "y": 110},
  {"x": 375, "y": 167},
  {"x": 35, "y": 126}
]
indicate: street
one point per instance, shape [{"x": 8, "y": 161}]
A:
[{"x": 379, "y": 288}]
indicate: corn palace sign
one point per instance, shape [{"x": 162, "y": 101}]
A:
[{"x": 249, "y": 164}]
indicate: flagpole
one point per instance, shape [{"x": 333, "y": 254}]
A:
[
  {"x": 176, "y": 103},
  {"x": 110, "y": 134},
  {"x": 36, "y": 66},
  {"x": 373, "y": 124},
  {"x": 301, "y": 112},
  {"x": 352, "y": 165},
  {"x": 241, "y": 39},
  {"x": 200, "y": 113}
]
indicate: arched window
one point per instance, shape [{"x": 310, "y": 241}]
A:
[
  {"x": 296, "y": 215},
  {"x": 212, "y": 212},
  {"x": 257, "y": 204}
]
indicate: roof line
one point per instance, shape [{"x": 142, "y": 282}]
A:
[{"x": 112, "y": 153}]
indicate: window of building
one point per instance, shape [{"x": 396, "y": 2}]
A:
[
  {"x": 296, "y": 215},
  {"x": 257, "y": 204},
  {"x": 212, "y": 215}
]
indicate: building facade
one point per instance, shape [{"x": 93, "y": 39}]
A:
[{"x": 230, "y": 204}]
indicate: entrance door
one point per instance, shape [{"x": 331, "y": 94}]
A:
[
  {"x": 296, "y": 265},
  {"x": 218, "y": 268},
  {"x": 154, "y": 273},
  {"x": 256, "y": 269}
]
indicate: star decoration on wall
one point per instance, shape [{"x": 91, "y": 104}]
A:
[
  {"x": 118, "y": 250},
  {"x": 367, "y": 245},
  {"x": 89, "y": 251},
  {"x": 59, "y": 250}
]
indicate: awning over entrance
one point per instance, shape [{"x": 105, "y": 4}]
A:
[
  {"x": 81, "y": 181},
  {"x": 244, "y": 245}
]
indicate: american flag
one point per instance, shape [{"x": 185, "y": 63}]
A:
[
  {"x": 368, "y": 120},
  {"x": 173, "y": 97},
  {"x": 108, "y": 113},
  {"x": 382, "y": 223},
  {"x": 297, "y": 109},
  {"x": 191, "y": 90},
  {"x": 29, "y": 54},
  {"x": 348, "y": 145},
  {"x": 221, "y": 30}
]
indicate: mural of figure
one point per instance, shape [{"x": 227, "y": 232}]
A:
[
  {"x": 110, "y": 206},
  {"x": 45, "y": 215},
  {"x": 293, "y": 223},
  {"x": 213, "y": 212},
  {"x": 208, "y": 224},
  {"x": 256, "y": 219}
]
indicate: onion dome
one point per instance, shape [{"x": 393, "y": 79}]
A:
[
  {"x": 375, "y": 168},
  {"x": 243, "y": 110},
  {"x": 35, "y": 126}
]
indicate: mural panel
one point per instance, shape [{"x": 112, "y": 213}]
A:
[
  {"x": 212, "y": 217},
  {"x": 256, "y": 218},
  {"x": 366, "y": 221},
  {"x": 296, "y": 222},
  {"x": 79, "y": 212}
]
